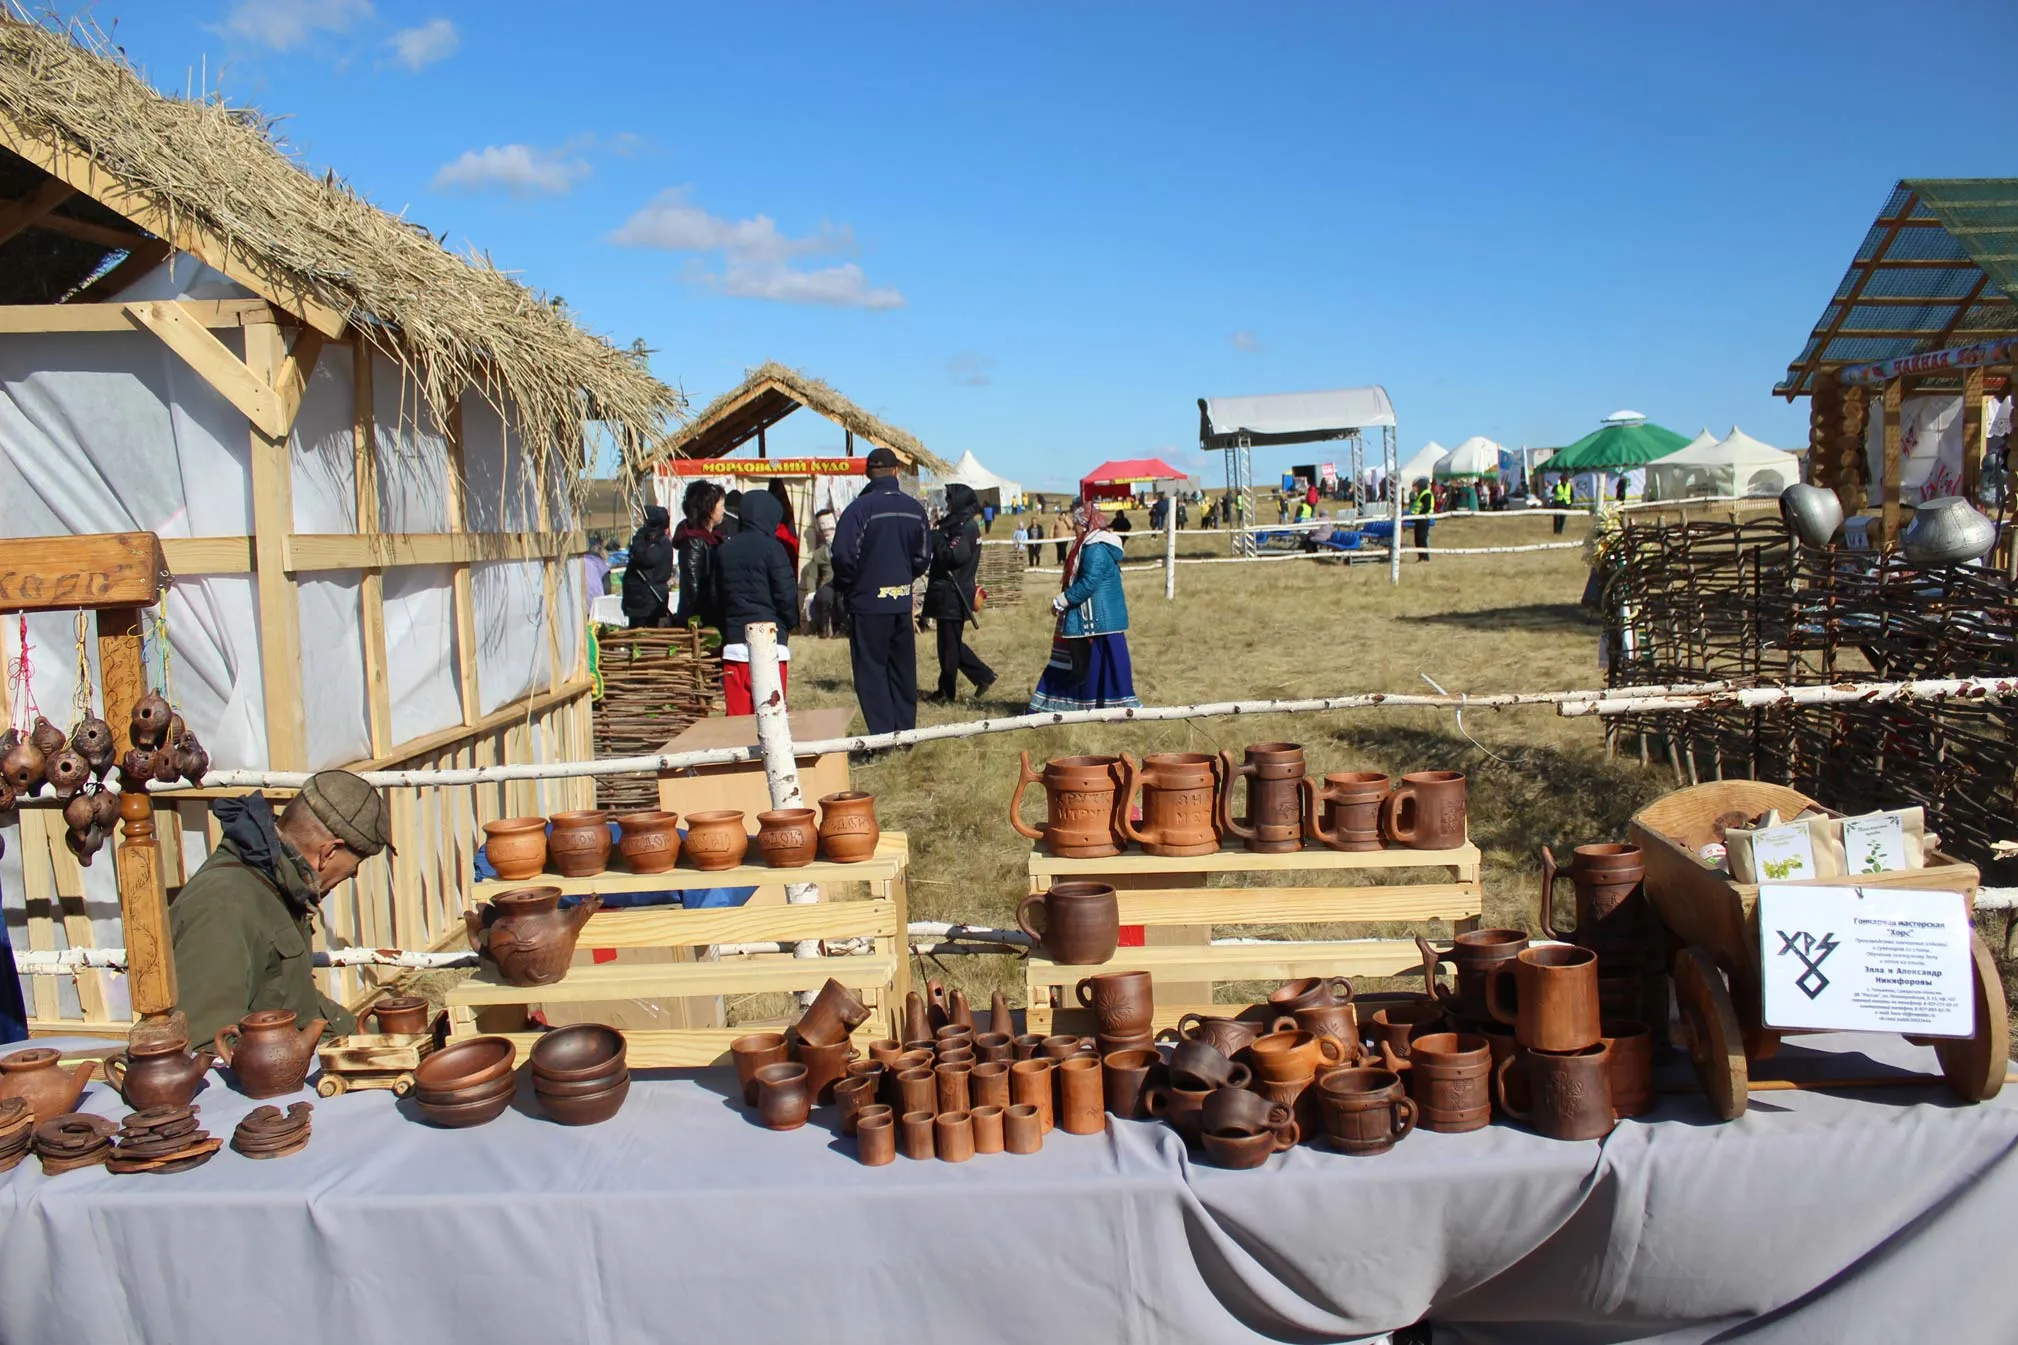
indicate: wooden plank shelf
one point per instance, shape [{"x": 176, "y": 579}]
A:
[
  {"x": 892, "y": 857},
  {"x": 1234, "y": 859}
]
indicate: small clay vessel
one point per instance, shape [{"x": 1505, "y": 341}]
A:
[
  {"x": 23, "y": 765},
  {"x": 1473, "y": 955},
  {"x": 834, "y": 1013},
  {"x": 158, "y": 1074},
  {"x": 136, "y": 768},
  {"x": 192, "y": 763},
  {"x": 825, "y": 1065},
  {"x": 848, "y": 827},
  {"x": 650, "y": 841},
  {"x": 267, "y": 1053},
  {"x": 1082, "y": 1100},
  {"x": 526, "y": 935},
  {"x": 164, "y": 766},
  {"x": 1123, "y": 1002},
  {"x": 1237, "y": 1107},
  {"x": 1125, "y": 1076},
  {"x": 516, "y": 847},
  {"x": 787, "y": 837},
  {"x": 105, "y": 804},
  {"x": 1310, "y": 992},
  {"x": 81, "y": 813},
  {"x": 1084, "y": 798},
  {"x": 1558, "y": 1006},
  {"x": 474, "y": 1065},
  {"x": 1082, "y": 922},
  {"x": 876, "y": 1137},
  {"x": 1197, "y": 1065},
  {"x": 751, "y": 1053},
  {"x": 999, "y": 1019},
  {"x": 1228, "y": 1036},
  {"x": 1365, "y": 1111},
  {"x": 1570, "y": 1092},
  {"x": 1450, "y": 1077},
  {"x": 783, "y": 1098},
  {"x": 1023, "y": 1129},
  {"x": 66, "y": 772},
  {"x": 578, "y": 843},
  {"x": 960, "y": 1011},
  {"x": 399, "y": 1013},
  {"x": 716, "y": 840},
  {"x": 917, "y": 1018},
  {"x": 1286, "y": 1057},
  {"x": 92, "y": 740},
  {"x": 585, "y": 1109},
  {"x": 48, "y": 739},
  {"x": 1240, "y": 1147},
  {"x": 151, "y": 715},
  {"x": 34, "y": 1076},
  {"x": 1180, "y": 804}
]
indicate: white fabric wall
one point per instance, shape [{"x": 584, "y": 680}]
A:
[{"x": 1930, "y": 429}]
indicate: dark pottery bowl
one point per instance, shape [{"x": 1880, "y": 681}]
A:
[
  {"x": 583, "y": 1051},
  {"x": 482, "y": 1092},
  {"x": 546, "y": 1088},
  {"x": 459, "y": 1115},
  {"x": 588, "y": 1109},
  {"x": 466, "y": 1064}
]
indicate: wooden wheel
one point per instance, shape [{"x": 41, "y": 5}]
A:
[
  {"x": 330, "y": 1085},
  {"x": 402, "y": 1085},
  {"x": 1716, "y": 1045},
  {"x": 1975, "y": 1066}
]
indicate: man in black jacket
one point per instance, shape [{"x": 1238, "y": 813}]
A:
[
  {"x": 753, "y": 581},
  {"x": 949, "y": 594},
  {"x": 881, "y": 546}
]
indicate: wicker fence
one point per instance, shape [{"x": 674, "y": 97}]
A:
[{"x": 655, "y": 683}]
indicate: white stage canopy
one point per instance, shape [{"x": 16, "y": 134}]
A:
[
  {"x": 1292, "y": 417},
  {"x": 1737, "y": 464}
]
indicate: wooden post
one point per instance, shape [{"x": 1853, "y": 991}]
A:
[
  {"x": 272, "y": 521},
  {"x": 1169, "y": 549},
  {"x": 774, "y": 735},
  {"x": 143, "y": 895},
  {"x": 1894, "y": 463},
  {"x": 762, "y": 449},
  {"x": 1972, "y": 431},
  {"x": 463, "y": 594},
  {"x": 371, "y": 587}
]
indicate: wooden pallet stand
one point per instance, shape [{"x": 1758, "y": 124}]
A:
[
  {"x": 881, "y": 977},
  {"x": 1168, "y": 896}
]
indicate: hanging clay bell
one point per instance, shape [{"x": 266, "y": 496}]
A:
[
  {"x": 107, "y": 804},
  {"x": 48, "y": 739},
  {"x": 92, "y": 740},
  {"x": 150, "y": 720},
  {"x": 136, "y": 768},
  {"x": 22, "y": 765},
  {"x": 191, "y": 761},
  {"x": 81, "y": 812},
  {"x": 176, "y": 728},
  {"x": 85, "y": 844},
  {"x": 66, "y": 772},
  {"x": 164, "y": 765},
  {"x": 6, "y": 796}
]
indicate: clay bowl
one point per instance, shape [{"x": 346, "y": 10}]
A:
[
  {"x": 589, "y": 1108},
  {"x": 583, "y": 1051},
  {"x": 466, "y": 1064},
  {"x": 455, "y": 1116},
  {"x": 582, "y": 1087},
  {"x": 482, "y": 1092}
]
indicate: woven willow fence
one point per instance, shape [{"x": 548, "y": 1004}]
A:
[{"x": 655, "y": 683}]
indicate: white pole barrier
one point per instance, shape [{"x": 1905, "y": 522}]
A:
[
  {"x": 1644, "y": 700},
  {"x": 774, "y": 736},
  {"x": 1169, "y": 549}
]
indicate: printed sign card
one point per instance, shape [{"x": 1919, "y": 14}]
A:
[
  {"x": 1784, "y": 854},
  {"x": 1866, "y": 959},
  {"x": 1874, "y": 844}
]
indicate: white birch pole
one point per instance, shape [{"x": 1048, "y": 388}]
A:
[
  {"x": 1169, "y": 549},
  {"x": 774, "y": 736}
]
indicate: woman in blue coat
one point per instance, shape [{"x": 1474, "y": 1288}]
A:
[{"x": 1089, "y": 666}]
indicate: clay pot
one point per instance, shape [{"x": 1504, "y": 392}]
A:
[
  {"x": 577, "y": 1053},
  {"x": 848, "y": 828},
  {"x": 1343, "y": 813},
  {"x": 1450, "y": 1077},
  {"x": 784, "y": 1097},
  {"x": 1240, "y": 1147},
  {"x": 516, "y": 847},
  {"x": 1611, "y": 901},
  {"x": 1026, "y": 1046},
  {"x": 1084, "y": 798},
  {"x": 1285, "y": 1057},
  {"x": 825, "y": 1065},
  {"x": 1022, "y": 1129},
  {"x": 267, "y": 1053},
  {"x": 1273, "y": 823},
  {"x": 999, "y": 1018},
  {"x": 466, "y": 1064},
  {"x": 876, "y": 1137},
  {"x": 834, "y": 1013},
  {"x": 1571, "y": 1092},
  {"x": 1123, "y": 1001},
  {"x": 916, "y": 1133},
  {"x": 578, "y": 843},
  {"x": 1030, "y": 1084},
  {"x": 1558, "y": 1008},
  {"x": 585, "y": 1109},
  {"x": 751, "y": 1053},
  {"x": 1180, "y": 804},
  {"x": 399, "y": 1013},
  {"x": 1228, "y": 1036},
  {"x": 34, "y": 1076},
  {"x": 1198, "y": 1065},
  {"x": 716, "y": 840},
  {"x": 1124, "y": 1077},
  {"x": 1309, "y": 993},
  {"x": 1629, "y": 1067},
  {"x": 526, "y": 935},
  {"x": 1426, "y": 811},
  {"x": 1365, "y": 1111},
  {"x": 1471, "y": 956},
  {"x": 787, "y": 837},
  {"x": 1082, "y": 922},
  {"x": 649, "y": 841},
  {"x": 156, "y": 1074},
  {"x": 1082, "y": 1100}
]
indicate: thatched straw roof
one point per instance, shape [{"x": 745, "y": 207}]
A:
[
  {"x": 213, "y": 181},
  {"x": 769, "y": 394}
]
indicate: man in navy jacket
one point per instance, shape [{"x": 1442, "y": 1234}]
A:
[{"x": 883, "y": 543}]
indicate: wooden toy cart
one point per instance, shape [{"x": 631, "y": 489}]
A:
[
  {"x": 373, "y": 1060},
  {"x": 1716, "y": 971}
]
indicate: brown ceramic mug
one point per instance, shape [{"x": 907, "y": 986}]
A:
[
  {"x": 988, "y": 1085},
  {"x": 1607, "y": 879},
  {"x": 994, "y": 1046},
  {"x": 1122, "y": 1001},
  {"x": 1274, "y": 820},
  {"x": 917, "y": 1090},
  {"x": 1343, "y": 813},
  {"x": 1449, "y": 1076},
  {"x": 1228, "y": 1036},
  {"x": 1285, "y": 1057},
  {"x": 916, "y": 1128},
  {"x": 1027, "y": 1044},
  {"x": 1081, "y": 922},
  {"x": 1081, "y": 1099},
  {"x": 1083, "y": 799},
  {"x": 850, "y": 1096},
  {"x": 1365, "y": 1111},
  {"x": 1225, "y": 1107},
  {"x": 1030, "y": 1085},
  {"x": 825, "y": 1065},
  {"x": 834, "y": 1013},
  {"x": 1178, "y": 1105},
  {"x": 1063, "y": 1046},
  {"x": 751, "y": 1053},
  {"x": 1023, "y": 1129},
  {"x": 886, "y": 1051},
  {"x": 950, "y": 1082},
  {"x": 953, "y": 1136},
  {"x": 1180, "y": 794},
  {"x": 1398, "y": 1025},
  {"x": 1629, "y": 1070},
  {"x": 1426, "y": 811},
  {"x": 1239, "y": 1147},
  {"x": 1105, "y": 1045},
  {"x": 1195, "y": 1065},
  {"x": 1558, "y": 1006},
  {"x": 1570, "y": 1090},
  {"x": 783, "y": 1097},
  {"x": 1471, "y": 956},
  {"x": 1124, "y": 1077},
  {"x": 986, "y": 1122},
  {"x": 399, "y": 1014},
  {"x": 1337, "y": 1021},
  {"x": 1310, "y": 993},
  {"x": 876, "y": 1136}
]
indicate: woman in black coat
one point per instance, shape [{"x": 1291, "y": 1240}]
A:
[
  {"x": 949, "y": 593},
  {"x": 649, "y": 572},
  {"x": 695, "y": 541}
]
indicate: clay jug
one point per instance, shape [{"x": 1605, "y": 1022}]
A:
[
  {"x": 526, "y": 935},
  {"x": 157, "y": 1074},
  {"x": 399, "y": 1014},
  {"x": 1180, "y": 804},
  {"x": 848, "y": 827},
  {"x": 1343, "y": 813},
  {"x": 578, "y": 846},
  {"x": 516, "y": 847},
  {"x": 788, "y": 838},
  {"x": 1274, "y": 821},
  {"x": 649, "y": 841},
  {"x": 1426, "y": 811},
  {"x": 267, "y": 1053},
  {"x": 1081, "y": 922},
  {"x": 1084, "y": 798},
  {"x": 1471, "y": 956},
  {"x": 999, "y": 1019},
  {"x": 1611, "y": 901},
  {"x": 716, "y": 841},
  {"x": 34, "y": 1076}
]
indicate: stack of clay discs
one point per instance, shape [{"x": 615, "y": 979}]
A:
[
  {"x": 162, "y": 1139},
  {"x": 268, "y": 1132},
  {"x": 73, "y": 1140},
  {"x": 17, "y": 1131}
]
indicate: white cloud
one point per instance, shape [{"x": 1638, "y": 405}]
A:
[
  {"x": 435, "y": 40},
  {"x": 970, "y": 369},
  {"x": 522, "y": 170},
  {"x": 1247, "y": 341},
  {"x": 282, "y": 24},
  {"x": 756, "y": 255}
]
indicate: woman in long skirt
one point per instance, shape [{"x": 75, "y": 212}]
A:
[{"x": 1089, "y": 667}]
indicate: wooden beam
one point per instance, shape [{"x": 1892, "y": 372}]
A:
[
  {"x": 143, "y": 897},
  {"x": 442, "y": 739},
  {"x": 371, "y": 590},
  {"x": 40, "y": 319},
  {"x": 463, "y": 594},
  {"x": 99, "y": 570},
  {"x": 290, "y": 381},
  {"x": 279, "y": 603},
  {"x": 1894, "y": 460},
  {"x": 235, "y": 380},
  {"x": 1827, "y": 334},
  {"x": 208, "y": 555},
  {"x": 103, "y": 235},
  {"x": 21, "y": 213},
  {"x": 309, "y": 551}
]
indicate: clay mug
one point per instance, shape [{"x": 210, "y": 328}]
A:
[
  {"x": 953, "y": 1034},
  {"x": 716, "y": 840},
  {"x": 1285, "y": 1057},
  {"x": 848, "y": 827},
  {"x": 1226, "y": 1107},
  {"x": 578, "y": 843},
  {"x": 649, "y": 841},
  {"x": 1180, "y": 804},
  {"x": 1449, "y": 1075},
  {"x": 1228, "y": 1036},
  {"x": 986, "y": 1121},
  {"x": 994, "y": 1046},
  {"x": 1471, "y": 956},
  {"x": 1023, "y": 1129},
  {"x": 1366, "y": 1111},
  {"x": 34, "y": 1076},
  {"x": 1178, "y": 1105},
  {"x": 872, "y": 1070},
  {"x": 1082, "y": 922},
  {"x": 960, "y": 1053},
  {"x": 1310, "y": 992},
  {"x": 1398, "y": 1025},
  {"x": 788, "y": 838},
  {"x": 1343, "y": 813},
  {"x": 1570, "y": 1092},
  {"x": 1274, "y": 820},
  {"x": 825, "y": 1065},
  {"x": 1105, "y": 1044},
  {"x": 1239, "y": 1147},
  {"x": 399, "y": 1014},
  {"x": 1027, "y": 1045},
  {"x": 917, "y": 1133},
  {"x": 1030, "y": 1084},
  {"x": 1611, "y": 903},
  {"x": 264, "y": 1051},
  {"x": 1426, "y": 811},
  {"x": 1629, "y": 1067},
  {"x": 850, "y": 1096},
  {"x": 834, "y": 1013},
  {"x": 876, "y": 1136},
  {"x": 1084, "y": 798},
  {"x": 953, "y": 1136},
  {"x": 917, "y": 1090},
  {"x": 1125, "y": 1076},
  {"x": 988, "y": 1085},
  {"x": 526, "y": 933},
  {"x": 155, "y": 1074},
  {"x": 1337, "y": 1021},
  {"x": 950, "y": 1086},
  {"x": 1122, "y": 1001},
  {"x": 516, "y": 847},
  {"x": 1063, "y": 1046},
  {"x": 1081, "y": 1096},
  {"x": 1195, "y": 1065},
  {"x": 1558, "y": 1008},
  {"x": 885, "y": 1051}
]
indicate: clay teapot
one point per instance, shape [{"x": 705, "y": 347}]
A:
[
  {"x": 1180, "y": 798},
  {"x": 578, "y": 845},
  {"x": 526, "y": 935},
  {"x": 34, "y": 1076},
  {"x": 848, "y": 827},
  {"x": 267, "y": 1053},
  {"x": 1084, "y": 798},
  {"x": 156, "y": 1074}
]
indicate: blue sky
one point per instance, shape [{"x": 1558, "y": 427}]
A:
[{"x": 1043, "y": 231}]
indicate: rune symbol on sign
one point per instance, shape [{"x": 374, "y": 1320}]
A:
[{"x": 1813, "y": 952}]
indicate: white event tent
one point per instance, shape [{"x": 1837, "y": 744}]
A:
[
  {"x": 1737, "y": 464},
  {"x": 968, "y": 471},
  {"x": 1422, "y": 464},
  {"x": 1476, "y": 457}
]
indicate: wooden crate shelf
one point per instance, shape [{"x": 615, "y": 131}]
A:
[{"x": 892, "y": 858}]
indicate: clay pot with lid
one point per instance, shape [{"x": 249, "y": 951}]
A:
[
  {"x": 578, "y": 844},
  {"x": 34, "y": 1076},
  {"x": 399, "y": 1014},
  {"x": 267, "y": 1053},
  {"x": 716, "y": 840},
  {"x": 1180, "y": 804},
  {"x": 516, "y": 847},
  {"x": 1426, "y": 811},
  {"x": 649, "y": 841},
  {"x": 1081, "y": 922},
  {"x": 1084, "y": 798},
  {"x": 1273, "y": 823},
  {"x": 527, "y": 935},
  {"x": 848, "y": 827},
  {"x": 788, "y": 838},
  {"x": 1343, "y": 813},
  {"x": 156, "y": 1074}
]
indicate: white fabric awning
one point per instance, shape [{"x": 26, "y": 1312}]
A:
[{"x": 1286, "y": 415}]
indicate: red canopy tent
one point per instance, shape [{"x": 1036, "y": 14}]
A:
[{"x": 1112, "y": 480}]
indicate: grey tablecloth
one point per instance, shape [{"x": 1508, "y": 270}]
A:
[{"x": 1873, "y": 1216}]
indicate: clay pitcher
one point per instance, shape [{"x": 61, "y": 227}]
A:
[
  {"x": 1611, "y": 899},
  {"x": 1273, "y": 823},
  {"x": 716, "y": 840},
  {"x": 516, "y": 847},
  {"x": 1081, "y": 922},
  {"x": 157, "y": 1074},
  {"x": 650, "y": 841},
  {"x": 1084, "y": 798},
  {"x": 578, "y": 846},
  {"x": 1343, "y": 813},
  {"x": 34, "y": 1076},
  {"x": 267, "y": 1053},
  {"x": 1180, "y": 804},
  {"x": 526, "y": 935},
  {"x": 848, "y": 827},
  {"x": 1426, "y": 811}
]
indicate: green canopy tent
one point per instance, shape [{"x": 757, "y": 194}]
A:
[{"x": 1623, "y": 445}]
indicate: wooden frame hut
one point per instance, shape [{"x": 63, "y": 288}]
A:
[{"x": 360, "y": 452}]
